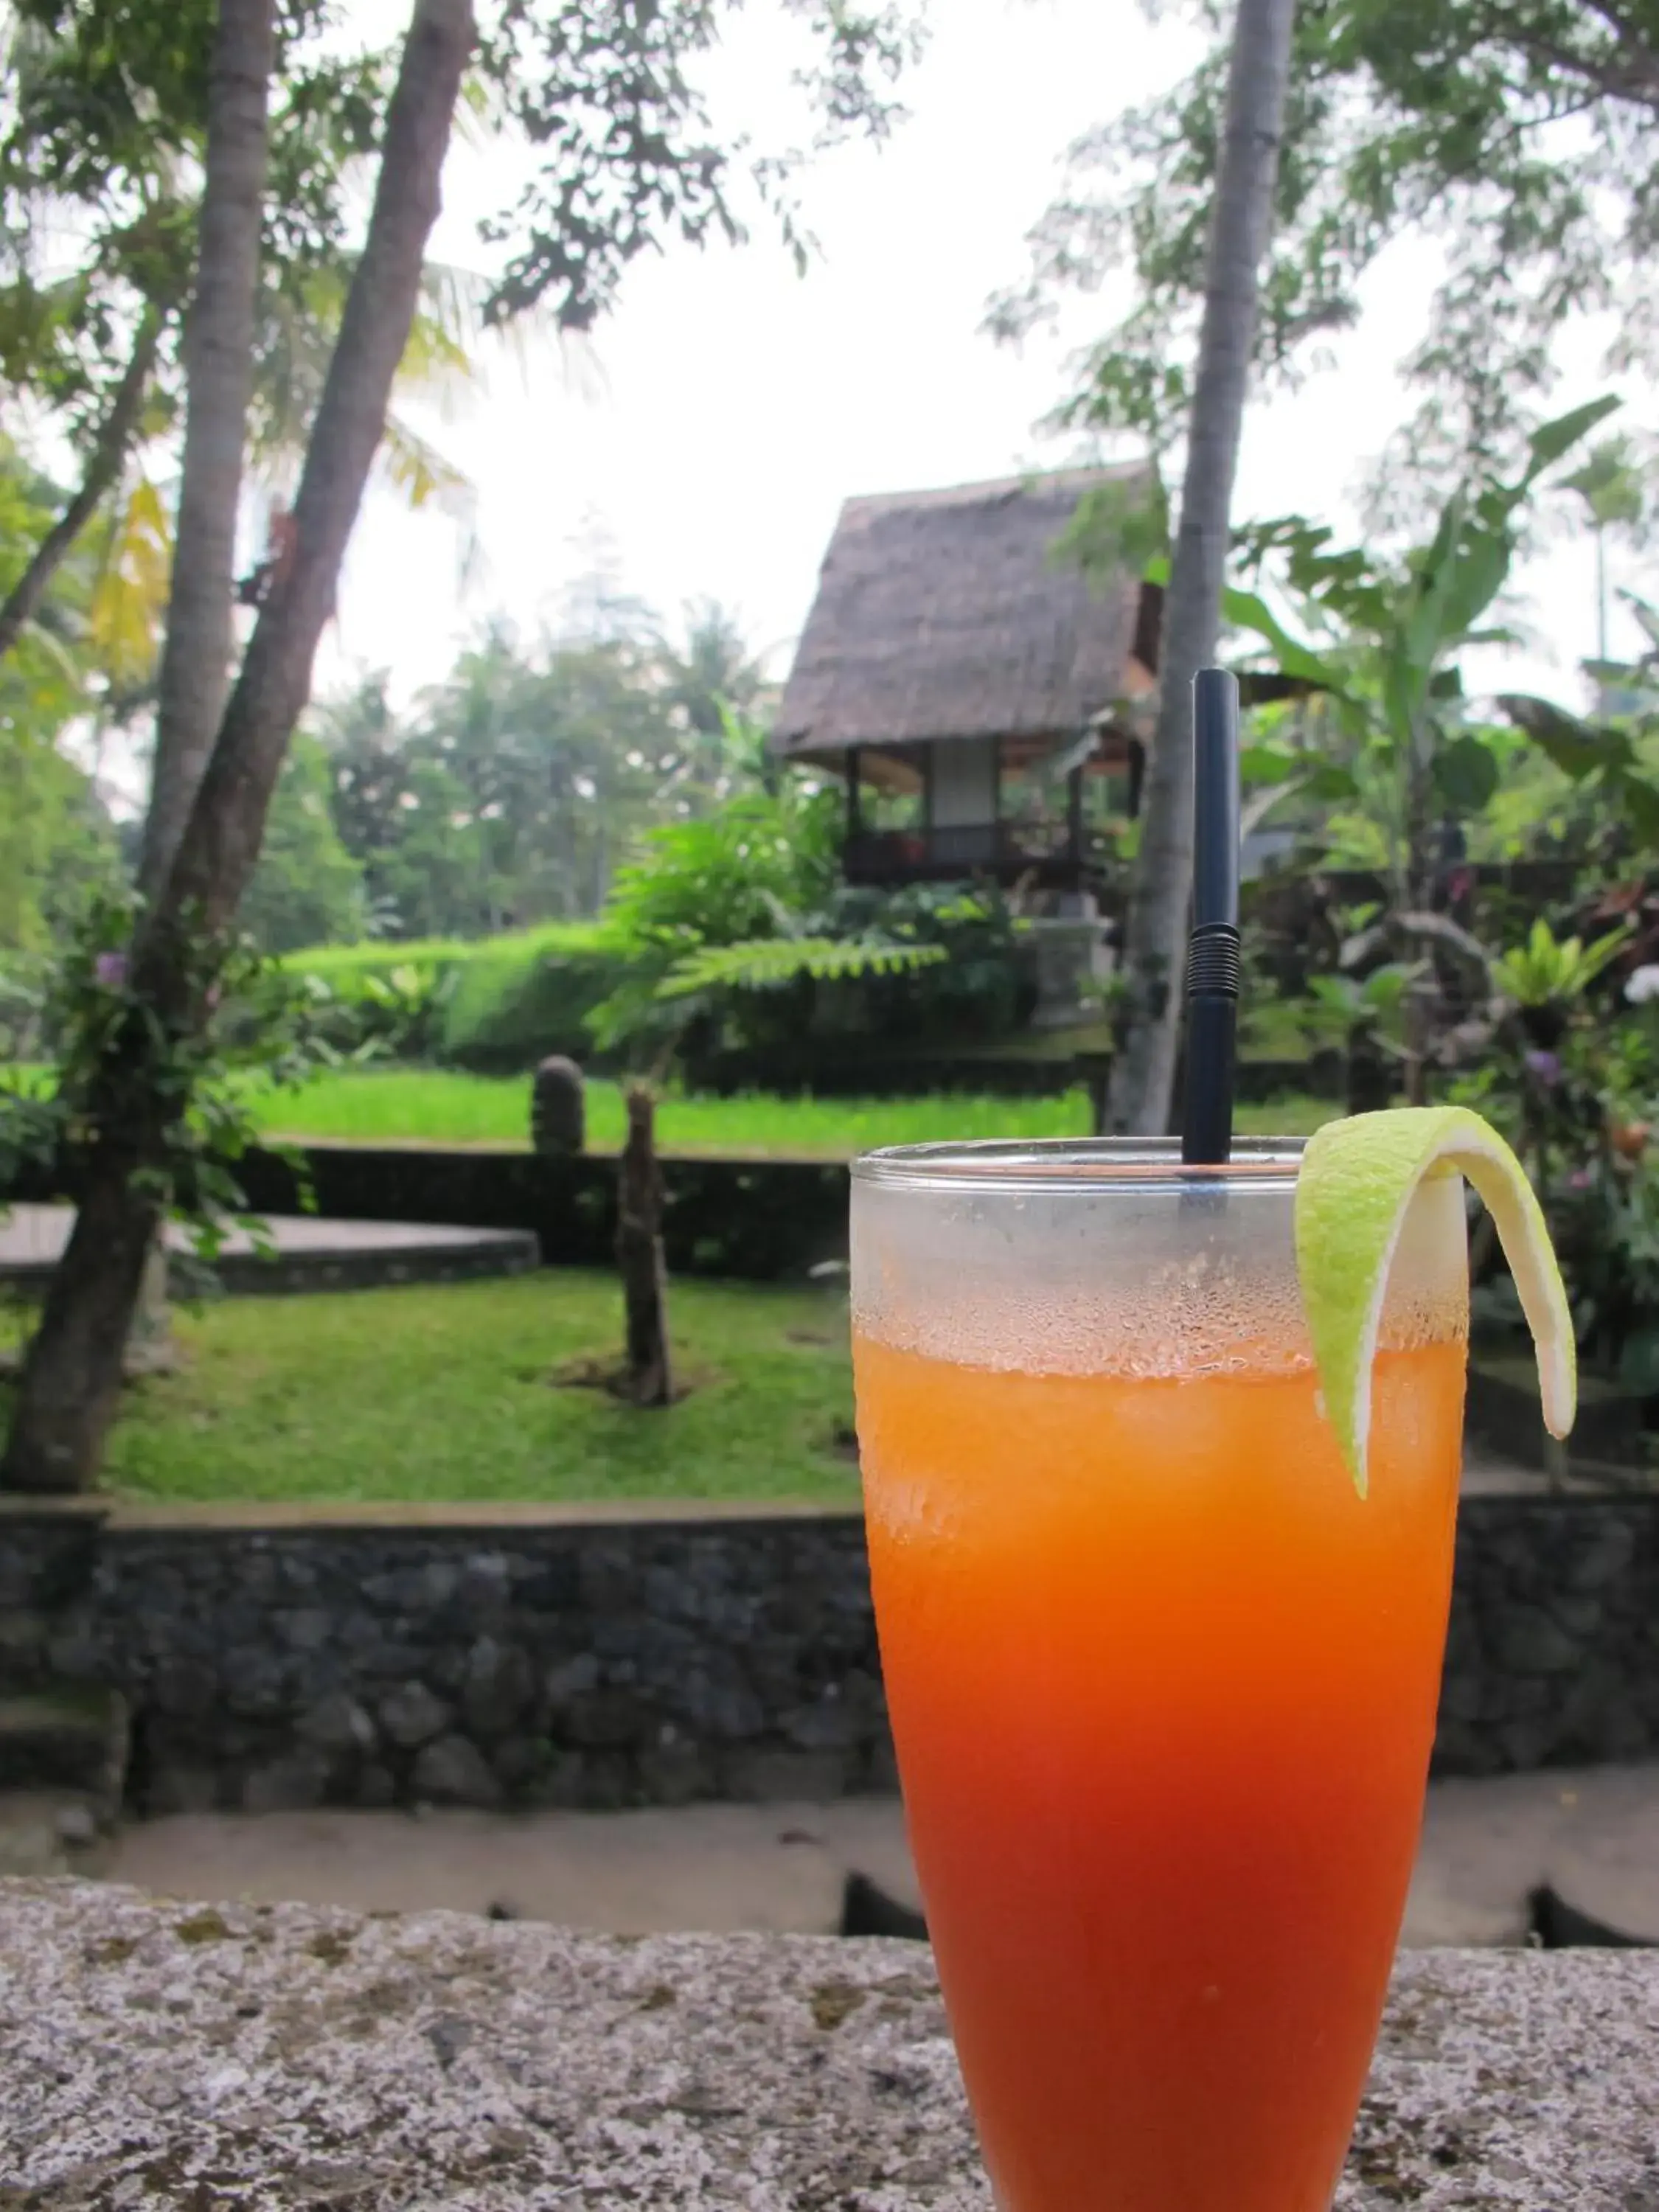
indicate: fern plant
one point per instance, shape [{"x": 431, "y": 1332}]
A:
[{"x": 767, "y": 962}]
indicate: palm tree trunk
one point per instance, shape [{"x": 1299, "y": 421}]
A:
[
  {"x": 1160, "y": 888},
  {"x": 102, "y": 473},
  {"x": 72, "y": 1370},
  {"x": 195, "y": 672}
]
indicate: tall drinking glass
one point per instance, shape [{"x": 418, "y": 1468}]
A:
[{"x": 1163, "y": 1686}]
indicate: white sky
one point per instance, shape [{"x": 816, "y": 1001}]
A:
[{"x": 727, "y": 407}]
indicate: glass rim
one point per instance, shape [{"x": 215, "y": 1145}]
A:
[{"x": 1083, "y": 1166}]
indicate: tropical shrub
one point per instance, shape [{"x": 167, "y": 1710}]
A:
[
  {"x": 1569, "y": 1071},
  {"x": 867, "y": 971},
  {"x": 730, "y": 876}
]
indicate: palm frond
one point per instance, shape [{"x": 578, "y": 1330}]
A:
[
  {"x": 766, "y": 963},
  {"x": 414, "y": 466},
  {"x": 130, "y": 593}
]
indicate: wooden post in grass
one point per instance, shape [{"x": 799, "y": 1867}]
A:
[{"x": 648, "y": 1377}]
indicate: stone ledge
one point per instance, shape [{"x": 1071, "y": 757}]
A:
[{"x": 159, "y": 2054}]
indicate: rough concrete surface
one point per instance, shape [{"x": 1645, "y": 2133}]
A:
[{"x": 155, "y": 2054}]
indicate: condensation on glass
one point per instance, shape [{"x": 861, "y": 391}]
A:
[{"x": 1110, "y": 1256}]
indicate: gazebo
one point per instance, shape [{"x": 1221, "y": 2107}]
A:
[{"x": 975, "y": 692}]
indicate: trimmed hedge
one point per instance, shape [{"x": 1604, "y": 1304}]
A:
[{"x": 495, "y": 1006}]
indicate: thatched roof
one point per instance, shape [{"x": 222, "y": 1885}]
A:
[{"x": 942, "y": 614}]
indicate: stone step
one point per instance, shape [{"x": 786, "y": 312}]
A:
[
  {"x": 66, "y": 1739},
  {"x": 51, "y": 1832}
]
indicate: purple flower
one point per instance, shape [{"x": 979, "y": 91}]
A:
[
  {"x": 111, "y": 969},
  {"x": 212, "y": 1000},
  {"x": 1580, "y": 1179},
  {"x": 1543, "y": 1066}
]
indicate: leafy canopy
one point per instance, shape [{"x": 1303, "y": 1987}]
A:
[{"x": 1521, "y": 135}]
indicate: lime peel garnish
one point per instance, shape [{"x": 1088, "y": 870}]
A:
[{"x": 1357, "y": 1182}]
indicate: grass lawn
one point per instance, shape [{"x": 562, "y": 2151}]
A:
[
  {"x": 438, "y": 1107},
  {"x": 407, "y": 1105},
  {"x": 447, "y": 1394}
]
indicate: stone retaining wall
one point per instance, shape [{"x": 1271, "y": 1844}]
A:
[
  {"x": 566, "y": 1664},
  {"x": 753, "y": 1219},
  {"x": 1552, "y": 1652},
  {"x": 603, "y": 1660}
]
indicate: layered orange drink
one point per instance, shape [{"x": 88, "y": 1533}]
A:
[{"x": 1163, "y": 1683}]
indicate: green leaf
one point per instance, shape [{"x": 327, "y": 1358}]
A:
[
  {"x": 1551, "y": 439},
  {"x": 1638, "y": 1361},
  {"x": 1384, "y": 988},
  {"x": 1267, "y": 764},
  {"x": 1576, "y": 748},
  {"x": 1331, "y": 783},
  {"x": 1249, "y": 610},
  {"x": 1646, "y": 616},
  {"x": 1640, "y": 801},
  {"x": 768, "y": 962},
  {"x": 1477, "y": 577},
  {"x": 1465, "y": 774}
]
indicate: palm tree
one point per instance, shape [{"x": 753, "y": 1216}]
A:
[
  {"x": 714, "y": 680},
  {"x": 98, "y": 342},
  {"x": 1143, "y": 1072}
]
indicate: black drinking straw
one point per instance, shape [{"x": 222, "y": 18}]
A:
[{"x": 1212, "y": 957}]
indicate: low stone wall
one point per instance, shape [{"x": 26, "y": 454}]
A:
[
  {"x": 756, "y": 1219},
  {"x": 1552, "y": 1652},
  {"x": 602, "y": 1658},
  {"x": 560, "y": 1663}
]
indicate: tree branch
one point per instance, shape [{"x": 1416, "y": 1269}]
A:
[
  {"x": 1637, "y": 82},
  {"x": 1644, "y": 63},
  {"x": 103, "y": 470}
]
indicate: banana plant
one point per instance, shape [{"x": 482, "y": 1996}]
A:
[
  {"x": 1605, "y": 754},
  {"x": 1386, "y": 726},
  {"x": 1391, "y": 723},
  {"x": 1614, "y": 486}
]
